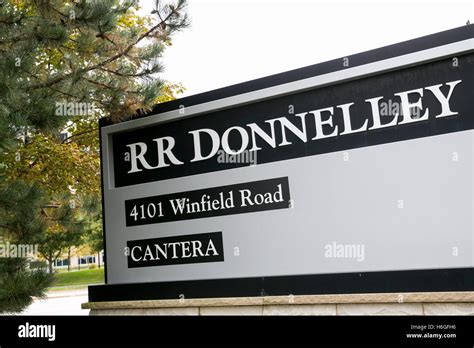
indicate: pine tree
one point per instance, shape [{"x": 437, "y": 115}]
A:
[
  {"x": 21, "y": 223},
  {"x": 55, "y": 53}
]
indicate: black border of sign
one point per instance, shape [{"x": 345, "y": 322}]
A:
[
  {"x": 459, "y": 279},
  {"x": 102, "y": 200}
]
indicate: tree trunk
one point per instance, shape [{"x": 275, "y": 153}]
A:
[
  {"x": 69, "y": 259},
  {"x": 50, "y": 266},
  {"x": 98, "y": 258}
]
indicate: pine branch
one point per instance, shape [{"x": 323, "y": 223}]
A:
[
  {"x": 52, "y": 206},
  {"x": 67, "y": 140},
  {"x": 104, "y": 62},
  {"x": 140, "y": 74},
  {"x": 7, "y": 228},
  {"x": 109, "y": 87}
]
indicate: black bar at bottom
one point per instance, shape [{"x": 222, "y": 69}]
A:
[{"x": 139, "y": 331}]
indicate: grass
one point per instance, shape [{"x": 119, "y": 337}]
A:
[{"x": 77, "y": 279}]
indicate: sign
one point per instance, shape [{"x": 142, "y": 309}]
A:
[{"x": 348, "y": 172}]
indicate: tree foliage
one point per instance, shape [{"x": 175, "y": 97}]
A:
[
  {"x": 56, "y": 166},
  {"x": 64, "y": 228},
  {"x": 56, "y": 53}
]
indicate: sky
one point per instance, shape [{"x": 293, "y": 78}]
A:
[{"x": 232, "y": 41}]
